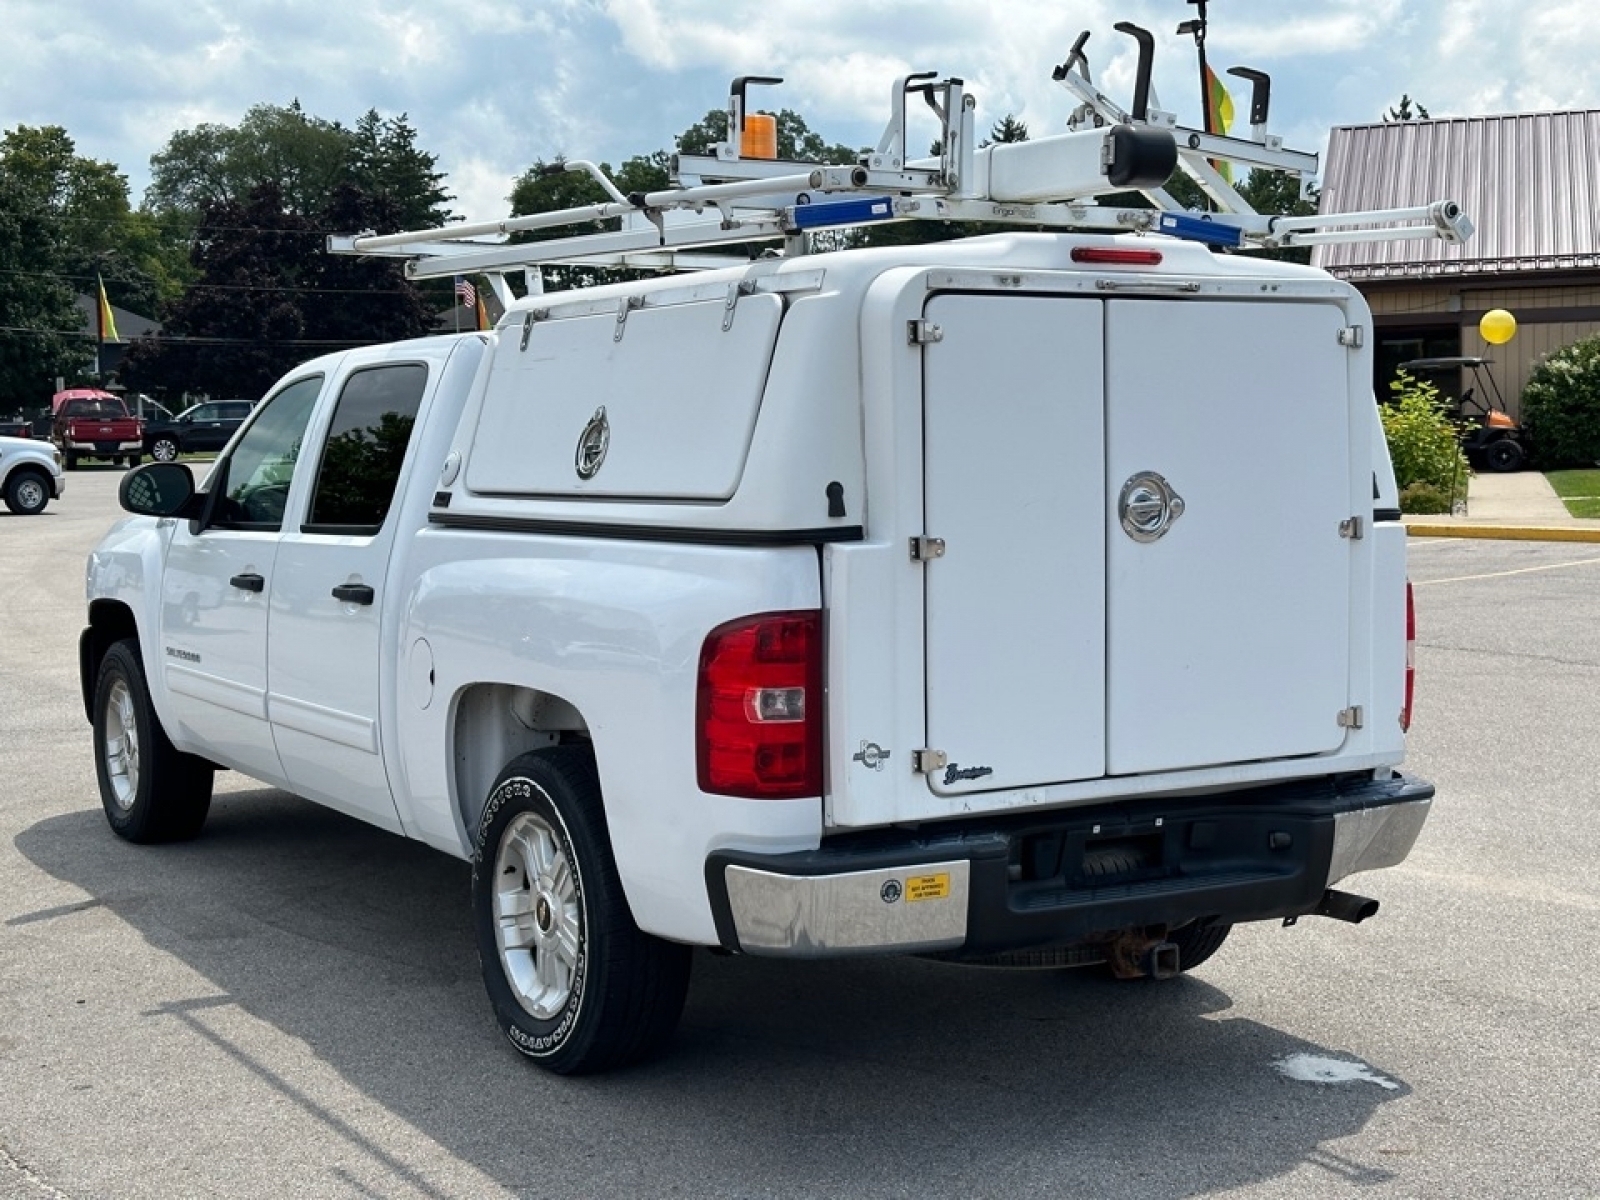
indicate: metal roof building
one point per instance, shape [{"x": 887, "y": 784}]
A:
[{"x": 1530, "y": 182}]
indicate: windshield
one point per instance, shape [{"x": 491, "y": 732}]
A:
[{"x": 94, "y": 408}]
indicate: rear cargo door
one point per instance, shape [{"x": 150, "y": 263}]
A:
[
  {"x": 1228, "y": 632},
  {"x": 1014, "y": 486}
]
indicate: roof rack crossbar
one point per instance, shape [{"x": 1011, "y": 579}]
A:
[{"x": 723, "y": 199}]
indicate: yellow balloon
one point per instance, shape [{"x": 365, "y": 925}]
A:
[{"x": 1497, "y": 326}]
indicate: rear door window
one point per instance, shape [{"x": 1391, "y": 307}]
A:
[{"x": 366, "y": 446}]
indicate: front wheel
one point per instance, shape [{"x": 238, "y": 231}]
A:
[
  {"x": 575, "y": 985},
  {"x": 27, "y": 493},
  {"x": 151, "y": 790},
  {"x": 164, "y": 449}
]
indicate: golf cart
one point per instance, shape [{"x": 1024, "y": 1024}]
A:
[{"x": 1489, "y": 437}]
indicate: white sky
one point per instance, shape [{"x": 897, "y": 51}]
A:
[{"x": 493, "y": 87}]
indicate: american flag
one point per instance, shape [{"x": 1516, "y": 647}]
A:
[{"x": 467, "y": 294}]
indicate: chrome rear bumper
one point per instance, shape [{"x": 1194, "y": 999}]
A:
[{"x": 980, "y": 886}]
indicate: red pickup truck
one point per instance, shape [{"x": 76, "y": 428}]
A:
[{"x": 90, "y": 423}]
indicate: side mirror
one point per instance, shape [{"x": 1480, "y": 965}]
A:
[{"x": 159, "y": 490}]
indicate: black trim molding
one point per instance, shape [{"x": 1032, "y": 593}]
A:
[{"x": 648, "y": 533}]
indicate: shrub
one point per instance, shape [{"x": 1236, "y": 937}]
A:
[
  {"x": 1422, "y": 443},
  {"x": 1561, "y": 406},
  {"x": 1424, "y": 499}
]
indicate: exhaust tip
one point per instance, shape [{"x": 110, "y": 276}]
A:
[{"x": 1344, "y": 906}]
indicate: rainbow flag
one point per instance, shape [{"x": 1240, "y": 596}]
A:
[{"x": 1219, "y": 116}]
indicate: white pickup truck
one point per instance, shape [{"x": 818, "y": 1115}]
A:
[
  {"x": 30, "y": 475},
  {"x": 1032, "y": 598}
]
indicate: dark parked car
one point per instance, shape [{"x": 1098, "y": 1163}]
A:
[{"x": 206, "y": 426}]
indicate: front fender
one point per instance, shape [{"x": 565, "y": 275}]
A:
[{"x": 122, "y": 588}]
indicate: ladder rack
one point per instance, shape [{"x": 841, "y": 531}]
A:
[{"x": 725, "y": 199}]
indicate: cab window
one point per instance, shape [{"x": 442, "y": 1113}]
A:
[
  {"x": 257, "y": 475},
  {"x": 366, "y": 446}
]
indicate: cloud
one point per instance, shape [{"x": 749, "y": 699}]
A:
[{"x": 494, "y": 88}]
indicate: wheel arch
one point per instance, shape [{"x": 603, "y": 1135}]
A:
[
  {"x": 495, "y": 723},
  {"x": 27, "y": 466},
  {"x": 110, "y": 621}
]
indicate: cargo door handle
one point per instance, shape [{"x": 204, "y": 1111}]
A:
[
  {"x": 250, "y": 583},
  {"x": 353, "y": 593}
]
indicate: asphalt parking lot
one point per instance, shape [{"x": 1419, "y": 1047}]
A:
[{"x": 291, "y": 1003}]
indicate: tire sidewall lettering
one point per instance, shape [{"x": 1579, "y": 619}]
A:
[{"x": 518, "y": 794}]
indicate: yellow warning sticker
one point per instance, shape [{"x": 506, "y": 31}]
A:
[{"x": 928, "y": 887}]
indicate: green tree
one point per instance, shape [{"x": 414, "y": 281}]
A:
[
  {"x": 1561, "y": 406},
  {"x": 304, "y": 157},
  {"x": 240, "y": 326},
  {"x": 1007, "y": 129},
  {"x": 41, "y": 331},
  {"x": 387, "y": 165},
  {"x": 269, "y": 296}
]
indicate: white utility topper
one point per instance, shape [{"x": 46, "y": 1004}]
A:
[{"x": 1033, "y": 598}]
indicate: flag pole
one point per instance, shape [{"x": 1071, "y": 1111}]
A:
[
  {"x": 1198, "y": 28},
  {"x": 99, "y": 328}
]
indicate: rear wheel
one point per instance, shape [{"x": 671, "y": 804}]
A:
[
  {"x": 69, "y": 460},
  {"x": 1504, "y": 455},
  {"x": 1198, "y": 942},
  {"x": 575, "y": 985},
  {"x": 151, "y": 790},
  {"x": 164, "y": 449},
  {"x": 27, "y": 492}
]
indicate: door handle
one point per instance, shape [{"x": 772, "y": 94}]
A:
[
  {"x": 250, "y": 583},
  {"x": 353, "y": 593}
]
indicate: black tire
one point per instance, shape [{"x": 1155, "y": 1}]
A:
[
  {"x": 1198, "y": 942},
  {"x": 134, "y": 460},
  {"x": 164, "y": 449},
  {"x": 69, "y": 460},
  {"x": 1504, "y": 455},
  {"x": 27, "y": 492},
  {"x": 582, "y": 989},
  {"x": 151, "y": 790}
]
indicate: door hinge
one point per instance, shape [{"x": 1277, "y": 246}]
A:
[
  {"x": 926, "y": 762},
  {"x": 925, "y": 549},
  {"x": 1351, "y": 529},
  {"x": 1351, "y": 718},
  {"x": 1354, "y": 336},
  {"x": 731, "y": 305},
  {"x": 922, "y": 333}
]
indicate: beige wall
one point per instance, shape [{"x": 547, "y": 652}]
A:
[{"x": 1535, "y": 339}]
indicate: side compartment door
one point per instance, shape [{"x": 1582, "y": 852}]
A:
[
  {"x": 217, "y": 585},
  {"x": 327, "y": 610},
  {"x": 1014, "y": 466}
]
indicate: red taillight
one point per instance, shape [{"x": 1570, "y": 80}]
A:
[
  {"x": 1116, "y": 256},
  {"x": 758, "y": 718},
  {"x": 1411, "y": 659}
]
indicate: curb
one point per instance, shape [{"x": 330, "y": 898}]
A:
[{"x": 1510, "y": 533}]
